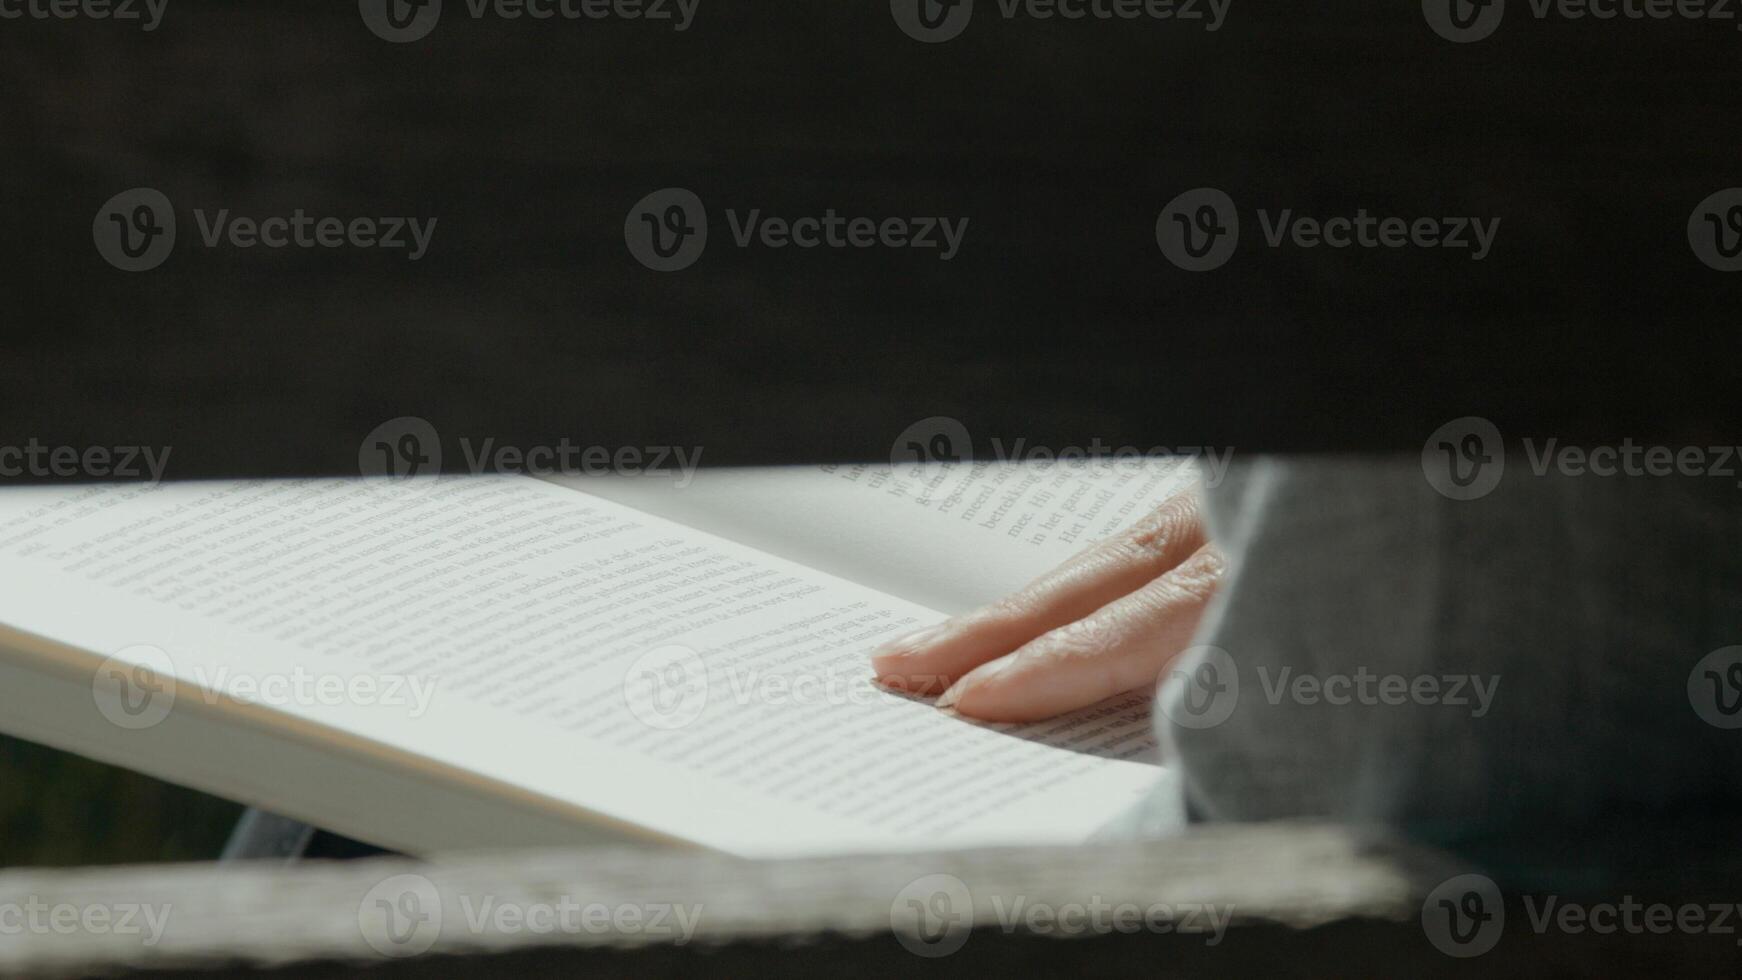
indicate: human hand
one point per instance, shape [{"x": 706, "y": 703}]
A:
[{"x": 1107, "y": 621}]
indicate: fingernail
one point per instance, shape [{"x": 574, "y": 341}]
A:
[
  {"x": 952, "y": 695},
  {"x": 908, "y": 642},
  {"x": 973, "y": 679}
]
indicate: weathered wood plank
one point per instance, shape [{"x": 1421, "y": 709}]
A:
[
  {"x": 1287, "y": 901},
  {"x": 327, "y": 912}
]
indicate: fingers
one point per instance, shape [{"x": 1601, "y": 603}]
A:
[
  {"x": 1125, "y": 645},
  {"x": 927, "y": 662}
]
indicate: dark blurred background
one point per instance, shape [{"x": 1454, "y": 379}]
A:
[
  {"x": 1060, "y": 322},
  {"x": 60, "y": 810}
]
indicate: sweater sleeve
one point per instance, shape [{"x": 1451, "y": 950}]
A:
[{"x": 1541, "y": 669}]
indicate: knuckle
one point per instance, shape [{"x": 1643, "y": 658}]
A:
[
  {"x": 1003, "y": 612},
  {"x": 1197, "y": 577},
  {"x": 1082, "y": 640},
  {"x": 1162, "y": 533}
]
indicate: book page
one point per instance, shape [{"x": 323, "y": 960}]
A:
[
  {"x": 952, "y": 536},
  {"x": 604, "y": 660}
]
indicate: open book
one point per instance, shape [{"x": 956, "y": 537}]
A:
[{"x": 502, "y": 661}]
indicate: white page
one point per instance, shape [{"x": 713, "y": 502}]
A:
[
  {"x": 526, "y": 613},
  {"x": 952, "y": 536}
]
